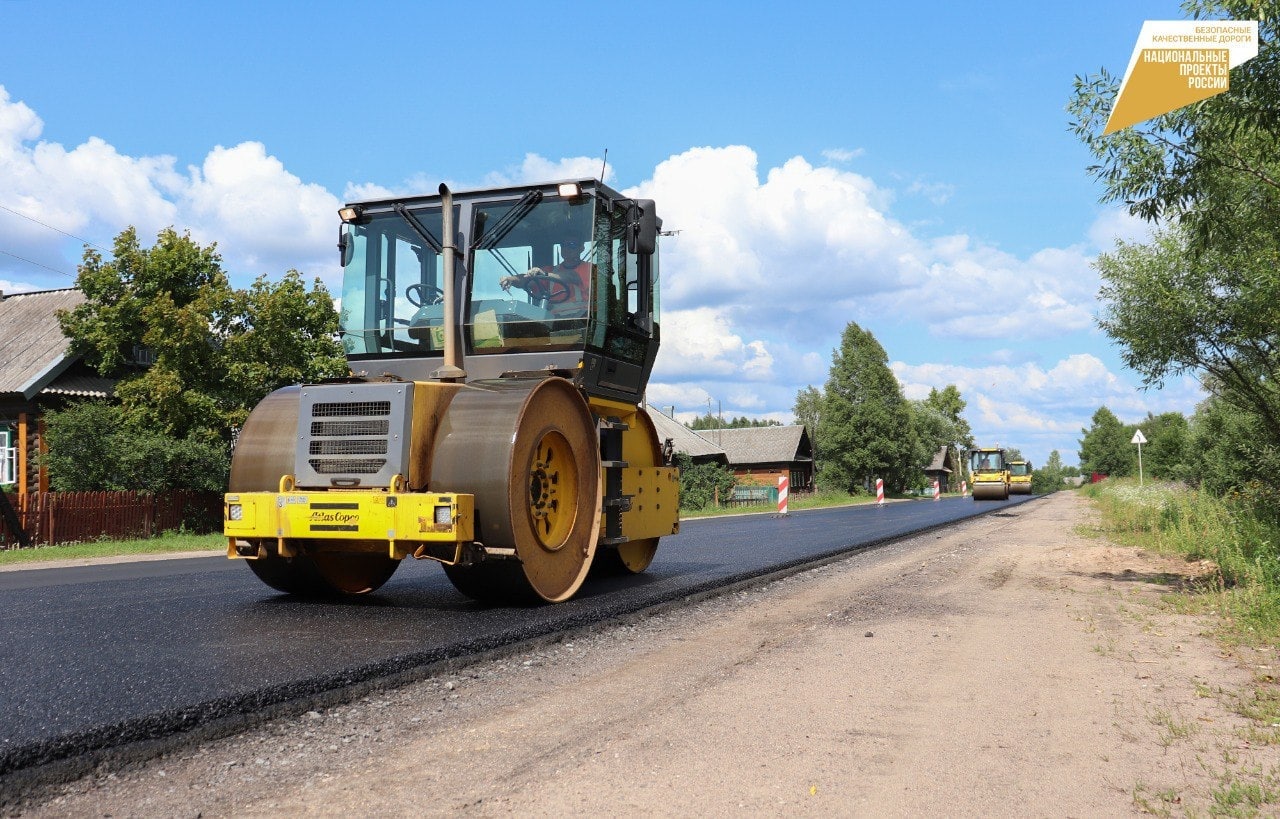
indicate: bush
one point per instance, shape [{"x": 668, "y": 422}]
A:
[
  {"x": 92, "y": 448},
  {"x": 700, "y": 483}
]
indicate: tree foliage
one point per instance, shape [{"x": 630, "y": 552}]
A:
[
  {"x": 1106, "y": 448},
  {"x": 217, "y": 350},
  {"x": 1048, "y": 478},
  {"x": 865, "y": 420},
  {"x": 1217, "y": 315},
  {"x": 1164, "y": 454},
  {"x": 710, "y": 421},
  {"x": 808, "y": 411}
]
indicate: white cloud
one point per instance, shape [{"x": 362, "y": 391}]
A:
[
  {"x": 701, "y": 343},
  {"x": 841, "y": 155},
  {"x": 536, "y": 168},
  {"x": 1117, "y": 224},
  {"x": 264, "y": 218}
]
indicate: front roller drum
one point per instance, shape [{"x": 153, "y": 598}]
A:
[
  {"x": 264, "y": 452},
  {"x": 990, "y": 491},
  {"x": 529, "y": 453}
]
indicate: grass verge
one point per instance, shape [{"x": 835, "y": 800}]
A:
[
  {"x": 167, "y": 543},
  {"x": 1237, "y": 542},
  {"x": 1239, "y": 591}
]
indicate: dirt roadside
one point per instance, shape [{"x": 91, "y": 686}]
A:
[{"x": 1011, "y": 666}]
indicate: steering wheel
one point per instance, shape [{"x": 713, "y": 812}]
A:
[
  {"x": 420, "y": 294},
  {"x": 552, "y": 290}
]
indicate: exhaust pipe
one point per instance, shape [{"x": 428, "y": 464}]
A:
[{"x": 452, "y": 369}]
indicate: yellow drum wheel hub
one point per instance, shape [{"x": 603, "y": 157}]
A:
[{"x": 553, "y": 486}]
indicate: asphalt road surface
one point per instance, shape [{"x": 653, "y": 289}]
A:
[{"x": 103, "y": 657}]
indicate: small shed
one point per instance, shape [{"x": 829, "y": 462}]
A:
[{"x": 943, "y": 469}]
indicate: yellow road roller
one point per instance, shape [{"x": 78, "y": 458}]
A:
[
  {"x": 499, "y": 343},
  {"x": 990, "y": 473},
  {"x": 1020, "y": 477}
]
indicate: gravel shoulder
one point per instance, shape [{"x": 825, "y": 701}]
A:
[{"x": 1009, "y": 666}]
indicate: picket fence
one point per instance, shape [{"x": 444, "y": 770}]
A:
[{"x": 49, "y": 518}]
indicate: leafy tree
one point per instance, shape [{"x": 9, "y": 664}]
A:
[
  {"x": 1048, "y": 478},
  {"x": 710, "y": 421},
  {"x": 1106, "y": 448},
  {"x": 93, "y": 447},
  {"x": 701, "y": 483},
  {"x": 1213, "y": 313},
  {"x": 1013, "y": 454},
  {"x": 1225, "y": 449},
  {"x": 936, "y": 422},
  {"x": 864, "y": 417},
  {"x": 1163, "y": 455},
  {"x": 217, "y": 350},
  {"x": 1203, "y": 296},
  {"x": 950, "y": 404}
]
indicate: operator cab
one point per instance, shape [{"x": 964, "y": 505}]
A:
[
  {"x": 561, "y": 277},
  {"x": 986, "y": 460}
]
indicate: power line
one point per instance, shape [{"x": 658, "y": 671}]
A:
[
  {"x": 37, "y": 264},
  {"x": 56, "y": 230}
]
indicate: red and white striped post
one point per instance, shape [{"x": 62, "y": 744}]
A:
[
  {"x": 937, "y": 491},
  {"x": 879, "y": 492},
  {"x": 784, "y": 483},
  {"x": 964, "y": 488}
]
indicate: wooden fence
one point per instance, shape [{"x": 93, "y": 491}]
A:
[{"x": 49, "y": 518}]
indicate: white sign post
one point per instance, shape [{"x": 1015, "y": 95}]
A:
[{"x": 1139, "y": 439}]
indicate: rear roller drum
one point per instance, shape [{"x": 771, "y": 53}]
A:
[
  {"x": 640, "y": 448},
  {"x": 529, "y": 452}
]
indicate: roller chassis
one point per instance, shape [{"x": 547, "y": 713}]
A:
[{"x": 345, "y": 540}]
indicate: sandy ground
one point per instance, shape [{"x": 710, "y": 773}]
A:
[{"x": 1011, "y": 666}]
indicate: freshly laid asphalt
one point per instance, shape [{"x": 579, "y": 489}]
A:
[{"x": 103, "y": 657}]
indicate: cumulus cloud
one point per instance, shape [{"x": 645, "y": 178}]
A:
[
  {"x": 255, "y": 209},
  {"x": 702, "y": 343},
  {"x": 839, "y": 155},
  {"x": 264, "y": 219}
]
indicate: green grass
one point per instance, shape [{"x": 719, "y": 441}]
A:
[
  {"x": 1239, "y": 548},
  {"x": 167, "y": 543}
]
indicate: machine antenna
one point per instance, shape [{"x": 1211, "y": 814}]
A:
[{"x": 604, "y": 163}]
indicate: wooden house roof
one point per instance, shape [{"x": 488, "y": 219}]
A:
[
  {"x": 685, "y": 440},
  {"x": 34, "y": 354},
  {"x": 763, "y": 445}
]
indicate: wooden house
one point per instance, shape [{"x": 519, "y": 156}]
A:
[
  {"x": 37, "y": 373},
  {"x": 763, "y": 454}
]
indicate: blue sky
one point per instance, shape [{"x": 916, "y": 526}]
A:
[{"x": 905, "y": 166}]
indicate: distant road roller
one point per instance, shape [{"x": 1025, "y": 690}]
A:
[
  {"x": 1020, "y": 477},
  {"x": 500, "y": 342},
  {"x": 990, "y": 473}
]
